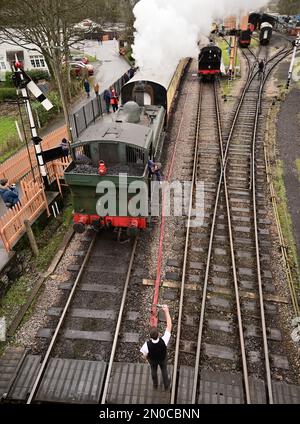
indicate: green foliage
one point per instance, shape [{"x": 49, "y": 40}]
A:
[
  {"x": 7, "y": 93},
  {"x": 289, "y": 7},
  {"x": 35, "y": 75},
  {"x": 9, "y": 140},
  {"x": 38, "y": 74},
  {"x": 46, "y": 116},
  {"x": 285, "y": 216},
  {"x": 297, "y": 162}
]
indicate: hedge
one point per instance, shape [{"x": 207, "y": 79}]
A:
[
  {"x": 7, "y": 93},
  {"x": 35, "y": 75}
]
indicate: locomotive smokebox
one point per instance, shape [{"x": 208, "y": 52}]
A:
[{"x": 133, "y": 112}]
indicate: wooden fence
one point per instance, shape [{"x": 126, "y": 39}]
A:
[
  {"x": 33, "y": 203},
  {"x": 18, "y": 165}
]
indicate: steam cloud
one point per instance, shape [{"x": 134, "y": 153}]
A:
[{"x": 167, "y": 30}]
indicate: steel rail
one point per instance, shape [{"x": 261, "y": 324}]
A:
[
  {"x": 119, "y": 322},
  {"x": 250, "y": 78},
  {"x": 59, "y": 325},
  {"x": 236, "y": 288},
  {"x": 187, "y": 237},
  {"x": 258, "y": 266},
  {"x": 208, "y": 262}
]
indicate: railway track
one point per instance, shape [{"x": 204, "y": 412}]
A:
[
  {"x": 88, "y": 325},
  {"x": 226, "y": 269},
  {"x": 230, "y": 254}
]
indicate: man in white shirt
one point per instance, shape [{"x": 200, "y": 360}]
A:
[{"x": 155, "y": 351}]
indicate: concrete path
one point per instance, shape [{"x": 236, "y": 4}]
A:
[{"x": 110, "y": 66}]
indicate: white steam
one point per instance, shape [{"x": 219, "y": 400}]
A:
[{"x": 167, "y": 30}]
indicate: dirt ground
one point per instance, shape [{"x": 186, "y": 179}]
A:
[{"x": 288, "y": 141}]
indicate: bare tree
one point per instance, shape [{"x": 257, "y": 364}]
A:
[{"x": 49, "y": 26}]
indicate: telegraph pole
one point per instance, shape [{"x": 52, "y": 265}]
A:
[
  {"x": 22, "y": 81},
  {"x": 296, "y": 44}
]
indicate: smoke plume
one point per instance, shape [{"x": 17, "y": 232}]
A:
[{"x": 167, "y": 30}]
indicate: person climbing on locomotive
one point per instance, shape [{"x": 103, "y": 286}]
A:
[{"x": 154, "y": 169}]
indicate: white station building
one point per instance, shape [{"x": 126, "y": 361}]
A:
[{"x": 30, "y": 58}]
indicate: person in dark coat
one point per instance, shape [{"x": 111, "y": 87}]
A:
[
  {"x": 154, "y": 169},
  {"x": 65, "y": 146},
  {"x": 106, "y": 96},
  {"x": 155, "y": 351},
  {"x": 261, "y": 67},
  {"x": 9, "y": 194},
  {"x": 87, "y": 88}
]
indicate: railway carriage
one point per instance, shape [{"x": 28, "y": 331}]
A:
[
  {"x": 115, "y": 154},
  {"x": 150, "y": 88}
]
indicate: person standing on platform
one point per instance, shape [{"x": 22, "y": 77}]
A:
[
  {"x": 114, "y": 99},
  {"x": 107, "y": 97},
  {"x": 96, "y": 89},
  {"x": 87, "y": 88},
  {"x": 155, "y": 351}
]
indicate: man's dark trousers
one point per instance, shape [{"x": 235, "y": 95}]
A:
[{"x": 164, "y": 371}]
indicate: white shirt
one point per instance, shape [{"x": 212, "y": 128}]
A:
[{"x": 166, "y": 338}]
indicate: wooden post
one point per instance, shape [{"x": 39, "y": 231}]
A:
[{"x": 31, "y": 237}]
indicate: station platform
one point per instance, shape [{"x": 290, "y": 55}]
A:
[{"x": 81, "y": 382}]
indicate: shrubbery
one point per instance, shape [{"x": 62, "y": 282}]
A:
[
  {"x": 43, "y": 115},
  {"x": 7, "y": 93},
  {"x": 35, "y": 75}
]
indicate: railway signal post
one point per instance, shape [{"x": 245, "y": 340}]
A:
[
  {"x": 24, "y": 83},
  {"x": 296, "y": 45}
]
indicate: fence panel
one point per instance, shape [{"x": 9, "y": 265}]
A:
[
  {"x": 12, "y": 223},
  {"x": 18, "y": 165}
]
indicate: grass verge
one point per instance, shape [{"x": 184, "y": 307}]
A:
[
  {"x": 285, "y": 216},
  {"x": 19, "y": 292},
  {"x": 9, "y": 139},
  {"x": 297, "y": 162}
]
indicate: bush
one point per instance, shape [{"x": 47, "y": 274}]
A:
[
  {"x": 7, "y": 93},
  {"x": 43, "y": 115},
  {"x": 38, "y": 74},
  {"x": 35, "y": 75}
]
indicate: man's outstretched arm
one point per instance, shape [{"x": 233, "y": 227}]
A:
[{"x": 168, "y": 318}]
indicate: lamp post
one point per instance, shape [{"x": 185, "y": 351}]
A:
[{"x": 296, "y": 45}]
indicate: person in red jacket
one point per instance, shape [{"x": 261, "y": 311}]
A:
[{"x": 114, "y": 99}]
